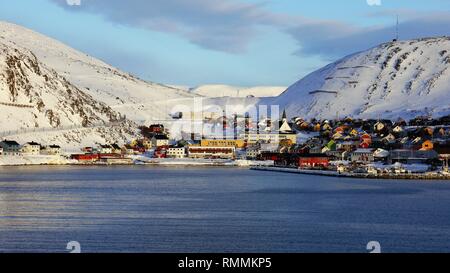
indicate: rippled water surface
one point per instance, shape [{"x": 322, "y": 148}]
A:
[{"x": 155, "y": 209}]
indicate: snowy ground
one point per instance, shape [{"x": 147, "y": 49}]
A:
[
  {"x": 199, "y": 162},
  {"x": 219, "y": 90},
  {"x": 397, "y": 79},
  {"x": 415, "y": 168},
  {"x": 33, "y": 160}
]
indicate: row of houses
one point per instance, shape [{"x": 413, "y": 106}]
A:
[
  {"x": 361, "y": 143},
  {"x": 156, "y": 141},
  {"x": 13, "y": 148}
]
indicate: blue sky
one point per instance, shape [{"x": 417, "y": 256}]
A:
[{"x": 238, "y": 42}]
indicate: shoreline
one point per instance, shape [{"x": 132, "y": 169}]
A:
[
  {"x": 266, "y": 166},
  {"x": 354, "y": 175},
  {"x": 23, "y": 161}
]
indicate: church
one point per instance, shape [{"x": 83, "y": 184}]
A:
[{"x": 284, "y": 132}]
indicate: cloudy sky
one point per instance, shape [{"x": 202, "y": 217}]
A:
[{"x": 238, "y": 42}]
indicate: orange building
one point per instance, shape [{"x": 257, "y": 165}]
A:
[{"x": 427, "y": 145}]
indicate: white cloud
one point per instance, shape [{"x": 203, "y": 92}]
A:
[{"x": 230, "y": 25}]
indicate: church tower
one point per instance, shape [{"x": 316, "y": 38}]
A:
[{"x": 285, "y": 128}]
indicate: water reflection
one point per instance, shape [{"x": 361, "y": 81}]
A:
[{"x": 152, "y": 209}]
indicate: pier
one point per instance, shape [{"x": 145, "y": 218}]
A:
[{"x": 406, "y": 176}]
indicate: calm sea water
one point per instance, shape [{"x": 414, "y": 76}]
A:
[{"x": 155, "y": 209}]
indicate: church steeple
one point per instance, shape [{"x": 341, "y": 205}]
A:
[
  {"x": 284, "y": 124},
  {"x": 284, "y": 118}
]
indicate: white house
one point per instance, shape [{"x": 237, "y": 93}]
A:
[
  {"x": 176, "y": 152},
  {"x": 398, "y": 129},
  {"x": 362, "y": 156},
  {"x": 389, "y": 138},
  {"x": 269, "y": 147},
  {"x": 160, "y": 140},
  {"x": 31, "y": 148},
  {"x": 51, "y": 150},
  {"x": 253, "y": 151},
  {"x": 105, "y": 149},
  {"x": 379, "y": 126},
  {"x": 10, "y": 147}
]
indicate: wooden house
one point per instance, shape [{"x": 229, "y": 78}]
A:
[
  {"x": 10, "y": 147},
  {"x": 362, "y": 156},
  {"x": 427, "y": 145},
  {"x": 31, "y": 148},
  {"x": 51, "y": 150},
  {"x": 105, "y": 149},
  {"x": 160, "y": 140}
]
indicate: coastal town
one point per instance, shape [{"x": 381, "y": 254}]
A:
[{"x": 356, "y": 147}]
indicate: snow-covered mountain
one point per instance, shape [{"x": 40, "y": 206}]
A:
[
  {"x": 138, "y": 100},
  {"x": 396, "y": 79},
  {"x": 52, "y": 93},
  {"x": 38, "y": 104},
  {"x": 218, "y": 90}
]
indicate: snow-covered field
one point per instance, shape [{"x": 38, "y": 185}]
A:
[
  {"x": 72, "y": 140},
  {"x": 33, "y": 160}
]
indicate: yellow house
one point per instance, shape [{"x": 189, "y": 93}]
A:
[
  {"x": 239, "y": 143},
  {"x": 147, "y": 143},
  {"x": 337, "y": 136},
  {"x": 317, "y": 127},
  {"x": 326, "y": 127},
  {"x": 354, "y": 132},
  {"x": 429, "y": 131},
  {"x": 134, "y": 143}
]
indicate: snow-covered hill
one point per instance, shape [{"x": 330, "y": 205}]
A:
[
  {"x": 34, "y": 97},
  {"x": 396, "y": 79},
  {"x": 236, "y": 91},
  {"x": 48, "y": 88},
  {"x": 138, "y": 100}
]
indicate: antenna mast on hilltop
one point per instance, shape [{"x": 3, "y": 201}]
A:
[{"x": 397, "y": 30}]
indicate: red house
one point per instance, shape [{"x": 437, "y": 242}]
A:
[
  {"x": 161, "y": 152},
  {"x": 85, "y": 157},
  {"x": 366, "y": 138},
  {"x": 156, "y": 128},
  {"x": 364, "y": 145},
  {"x": 314, "y": 161}
]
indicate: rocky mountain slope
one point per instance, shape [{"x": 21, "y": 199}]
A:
[
  {"x": 396, "y": 79},
  {"x": 37, "y": 103},
  {"x": 134, "y": 98}
]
